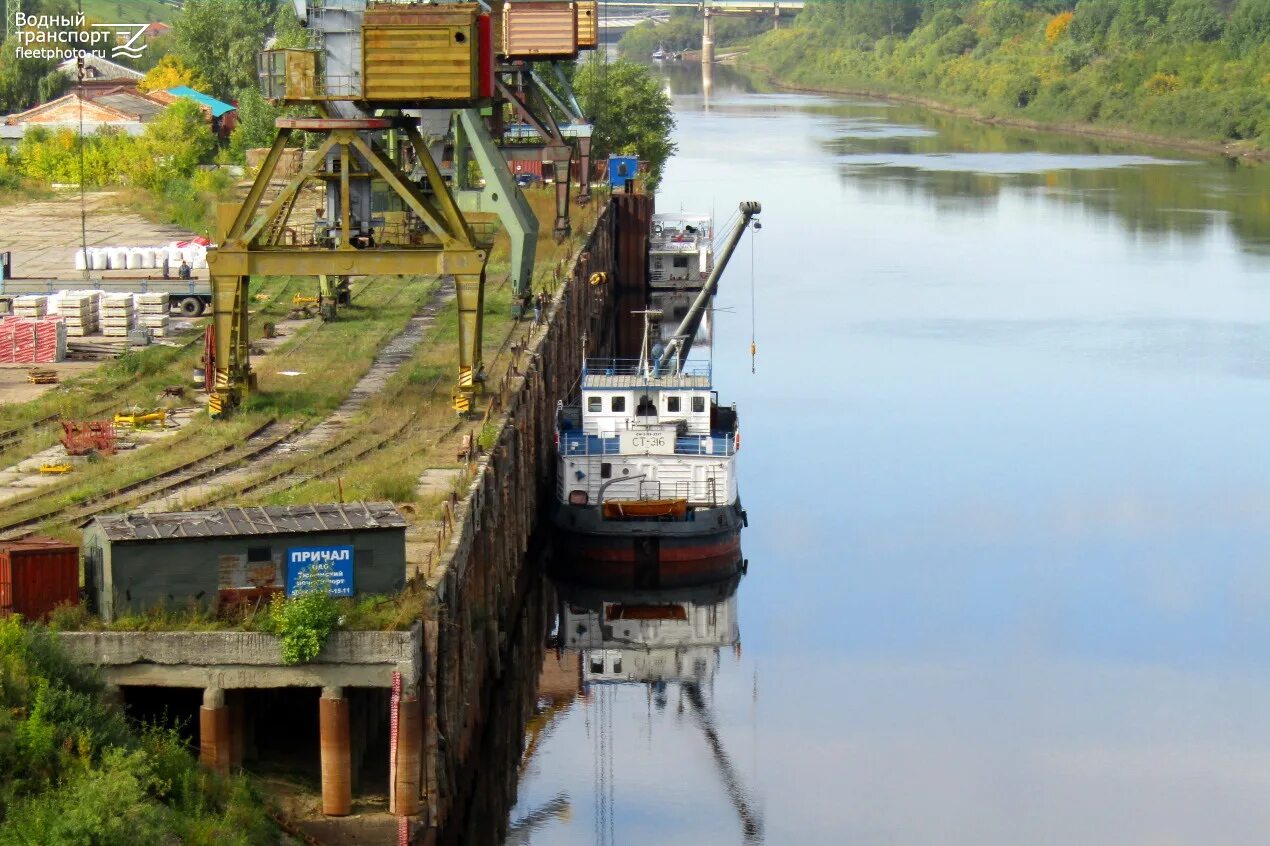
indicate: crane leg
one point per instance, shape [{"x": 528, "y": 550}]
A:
[
  {"x": 562, "y": 176},
  {"x": 233, "y": 378},
  {"x": 470, "y": 288},
  {"x": 584, "y": 180}
]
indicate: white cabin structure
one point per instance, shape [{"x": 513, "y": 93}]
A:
[
  {"x": 642, "y": 436},
  {"x": 680, "y": 251}
]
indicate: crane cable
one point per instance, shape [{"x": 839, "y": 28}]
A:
[{"x": 753, "y": 309}]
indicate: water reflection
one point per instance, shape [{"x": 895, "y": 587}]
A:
[
  {"x": 965, "y": 166},
  {"x": 631, "y": 672}
]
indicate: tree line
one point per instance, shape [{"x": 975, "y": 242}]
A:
[{"x": 1196, "y": 68}]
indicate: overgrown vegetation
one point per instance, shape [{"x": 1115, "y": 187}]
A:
[
  {"x": 77, "y": 772},
  {"x": 631, "y": 112},
  {"x": 1187, "y": 68},
  {"x": 303, "y": 623}
]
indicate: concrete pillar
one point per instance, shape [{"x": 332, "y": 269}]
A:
[
  {"x": 407, "y": 761},
  {"x": 707, "y": 38},
  {"x": 337, "y": 786},
  {"x": 214, "y": 731}
]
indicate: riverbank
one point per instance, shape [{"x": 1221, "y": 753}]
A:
[{"x": 1247, "y": 151}]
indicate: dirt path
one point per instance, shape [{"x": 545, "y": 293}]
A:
[{"x": 44, "y": 235}]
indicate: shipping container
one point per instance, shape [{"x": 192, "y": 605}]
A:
[
  {"x": 36, "y": 575},
  {"x": 540, "y": 29}
]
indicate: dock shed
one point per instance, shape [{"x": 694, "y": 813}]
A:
[{"x": 137, "y": 562}]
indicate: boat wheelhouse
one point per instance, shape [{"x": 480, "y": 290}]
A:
[{"x": 680, "y": 251}]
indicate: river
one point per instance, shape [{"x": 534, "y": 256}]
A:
[{"x": 1008, "y": 482}]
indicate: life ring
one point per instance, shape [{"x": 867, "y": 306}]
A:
[{"x": 736, "y": 441}]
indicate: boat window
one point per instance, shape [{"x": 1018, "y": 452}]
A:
[
  {"x": 681, "y": 261},
  {"x": 618, "y": 404},
  {"x": 672, "y": 403},
  {"x": 646, "y": 407},
  {"x": 606, "y": 470},
  {"x": 595, "y": 404},
  {"x": 698, "y": 404}
]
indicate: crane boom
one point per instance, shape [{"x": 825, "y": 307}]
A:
[{"x": 681, "y": 344}]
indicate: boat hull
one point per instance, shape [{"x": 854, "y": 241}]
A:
[{"x": 589, "y": 550}]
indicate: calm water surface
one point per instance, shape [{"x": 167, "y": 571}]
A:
[{"x": 1008, "y": 481}]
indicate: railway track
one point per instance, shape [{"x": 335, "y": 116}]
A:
[
  {"x": 298, "y": 473},
  {"x": 11, "y": 437},
  {"x": 262, "y": 439}
]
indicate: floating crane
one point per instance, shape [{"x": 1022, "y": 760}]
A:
[{"x": 378, "y": 77}]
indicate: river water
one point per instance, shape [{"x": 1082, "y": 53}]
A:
[{"x": 1008, "y": 481}]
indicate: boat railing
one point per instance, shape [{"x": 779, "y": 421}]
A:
[
  {"x": 634, "y": 367},
  {"x": 574, "y": 444}
]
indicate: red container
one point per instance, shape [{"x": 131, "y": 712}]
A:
[
  {"x": 485, "y": 55},
  {"x": 36, "y": 575}
]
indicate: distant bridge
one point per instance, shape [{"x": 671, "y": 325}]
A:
[{"x": 709, "y": 8}]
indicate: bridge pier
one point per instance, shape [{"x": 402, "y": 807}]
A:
[{"x": 707, "y": 38}]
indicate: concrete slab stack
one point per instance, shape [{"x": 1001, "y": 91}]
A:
[
  {"x": 33, "y": 305},
  {"x": 116, "y": 316},
  {"x": 79, "y": 312},
  {"x": 152, "y": 311}
]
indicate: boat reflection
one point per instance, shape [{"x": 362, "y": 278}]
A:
[
  {"x": 671, "y": 642},
  {"x": 649, "y": 637}
]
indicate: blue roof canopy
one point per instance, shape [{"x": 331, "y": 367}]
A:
[{"x": 218, "y": 107}]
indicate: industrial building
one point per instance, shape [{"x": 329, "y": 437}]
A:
[{"x": 137, "y": 562}]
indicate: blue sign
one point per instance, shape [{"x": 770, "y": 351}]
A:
[
  {"x": 312, "y": 567},
  {"x": 622, "y": 168}
]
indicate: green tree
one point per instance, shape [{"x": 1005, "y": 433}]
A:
[
  {"x": 631, "y": 112},
  {"x": 255, "y": 127},
  {"x": 1249, "y": 24},
  {"x": 219, "y": 40},
  {"x": 174, "y": 144},
  {"x": 1194, "y": 20}
]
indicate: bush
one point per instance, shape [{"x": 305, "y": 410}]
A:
[{"x": 303, "y": 622}]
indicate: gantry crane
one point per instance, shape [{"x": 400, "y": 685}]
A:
[{"x": 377, "y": 72}]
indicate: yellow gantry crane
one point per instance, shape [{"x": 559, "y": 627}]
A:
[{"x": 377, "y": 70}]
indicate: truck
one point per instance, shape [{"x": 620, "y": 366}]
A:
[{"x": 190, "y": 297}]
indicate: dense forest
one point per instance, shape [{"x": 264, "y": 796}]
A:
[{"x": 1184, "y": 68}]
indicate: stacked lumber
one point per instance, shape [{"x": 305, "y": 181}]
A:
[
  {"x": 153, "y": 313},
  {"x": 32, "y": 340},
  {"x": 116, "y": 315}
]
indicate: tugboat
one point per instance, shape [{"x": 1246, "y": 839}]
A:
[{"x": 646, "y": 476}]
